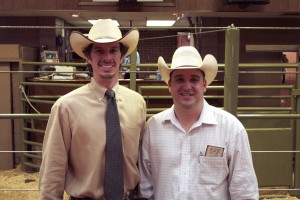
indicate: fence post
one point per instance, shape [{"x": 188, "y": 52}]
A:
[
  {"x": 132, "y": 80},
  {"x": 297, "y": 134},
  {"x": 231, "y": 75},
  {"x": 22, "y": 110}
]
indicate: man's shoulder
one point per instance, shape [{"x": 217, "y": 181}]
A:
[
  {"x": 74, "y": 94},
  {"x": 224, "y": 116},
  {"x": 158, "y": 117},
  {"x": 129, "y": 92}
]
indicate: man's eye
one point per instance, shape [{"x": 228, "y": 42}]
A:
[
  {"x": 179, "y": 80},
  {"x": 98, "y": 51},
  {"x": 114, "y": 50},
  {"x": 194, "y": 80}
]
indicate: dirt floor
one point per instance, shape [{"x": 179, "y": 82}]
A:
[{"x": 18, "y": 185}]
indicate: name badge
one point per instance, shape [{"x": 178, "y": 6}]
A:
[{"x": 214, "y": 151}]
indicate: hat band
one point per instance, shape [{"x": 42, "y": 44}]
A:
[{"x": 185, "y": 66}]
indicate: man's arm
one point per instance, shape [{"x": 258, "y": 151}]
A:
[
  {"x": 242, "y": 178},
  {"x": 145, "y": 186},
  {"x": 54, "y": 164}
]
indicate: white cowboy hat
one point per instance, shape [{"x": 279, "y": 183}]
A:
[
  {"x": 187, "y": 57},
  {"x": 104, "y": 31}
]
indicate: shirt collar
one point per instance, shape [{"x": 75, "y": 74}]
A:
[
  {"x": 99, "y": 90},
  {"x": 207, "y": 116}
]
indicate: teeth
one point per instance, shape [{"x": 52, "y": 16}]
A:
[
  {"x": 104, "y": 66},
  {"x": 186, "y": 94}
]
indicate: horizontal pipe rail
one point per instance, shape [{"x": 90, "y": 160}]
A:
[
  {"x": 35, "y": 166},
  {"x": 45, "y": 116},
  {"x": 38, "y": 101},
  {"x": 24, "y": 116},
  {"x": 33, "y": 143},
  {"x": 29, "y": 155},
  {"x": 44, "y": 96},
  {"x": 32, "y": 130},
  {"x": 268, "y": 116},
  {"x": 269, "y": 129},
  {"x": 52, "y": 84}
]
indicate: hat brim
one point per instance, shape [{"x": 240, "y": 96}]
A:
[
  {"x": 209, "y": 67},
  {"x": 79, "y": 42}
]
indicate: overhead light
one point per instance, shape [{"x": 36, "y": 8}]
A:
[
  {"x": 93, "y": 21},
  {"x": 127, "y": 1},
  {"x": 160, "y": 22},
  {"x": 75, "y": 15}
]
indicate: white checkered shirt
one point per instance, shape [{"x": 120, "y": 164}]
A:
[{"x": 173, "y": 163}]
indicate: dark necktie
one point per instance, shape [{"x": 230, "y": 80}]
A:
[{"x": 114, "y": 179}]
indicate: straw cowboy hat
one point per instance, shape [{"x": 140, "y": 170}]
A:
[
  {"x": 187, "y": 57},
  {"x": 104, "y": 31}
]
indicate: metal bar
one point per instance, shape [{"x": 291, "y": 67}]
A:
[
  {"x": 21, "y": 116},
  {"x": 33, "y": 130},
  {"x": 265, "y": 86},
  {"x": 262, "y": 65},
  {"x": 28, "y": 164},
  {"x": 38, "y": 101},
  {"x": 32, "y": 156},
  {"x": 231, "y": 75},
  {"x": 44, "y": 96},
  {"x": 264, "y": 97},
  {"x": 158, "y": 87},
  {"x": 31, "y": 143},
  {"x": 297, "y": 133},
  {"x": 132, "y": 81},
  {"x": 265, "y": 108},
  {"x": 51, "y": 84},
  {"x": 58, "y": 64},
  {"x": 153, "y": 87},
  {"x": 24, "y": 116},
  {"x": 269, "y": 129},
  {"x": 268, "y": 116}
]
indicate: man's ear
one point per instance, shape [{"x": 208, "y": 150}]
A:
[
  {"x": 88, "y": 60},
  {"x": 204, "y": 85},
  {"x": 169, "y": 85},
  {"x": 122, "y": 59}
]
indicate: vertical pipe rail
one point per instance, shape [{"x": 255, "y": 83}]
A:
[
  {"x": 297, "y": 133},
  {"x": 133, "y": 58},
  {"x": 231, "y": 75},
  {"x": 23, "y": 133}
]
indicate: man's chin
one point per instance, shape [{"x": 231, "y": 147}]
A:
[{"x": 107, "y": 76}]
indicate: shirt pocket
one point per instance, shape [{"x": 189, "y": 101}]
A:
[{"x": 212, "y": 170}]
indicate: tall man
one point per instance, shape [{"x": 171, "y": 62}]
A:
[{"x": 75, "y": 144}]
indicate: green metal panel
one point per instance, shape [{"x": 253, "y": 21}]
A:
[{"x": 272, "y": 168}]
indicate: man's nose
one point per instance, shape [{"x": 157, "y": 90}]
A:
[
  {"x": 107, "y": 56},
  {"x": 186, "y": 85}
]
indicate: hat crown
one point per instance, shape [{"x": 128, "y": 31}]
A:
[
  {"x": 186, "y": 56},
  {"x": 105, "y": 30}
]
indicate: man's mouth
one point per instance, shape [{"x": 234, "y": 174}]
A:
[
  {"x": 186, "y": 94},
  {"x": 106, "y": 66}
]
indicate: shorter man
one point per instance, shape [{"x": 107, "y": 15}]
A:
[{"x": 194, "y": 150}]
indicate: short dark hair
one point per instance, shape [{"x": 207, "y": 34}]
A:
[{"x": 87, "y": 51}]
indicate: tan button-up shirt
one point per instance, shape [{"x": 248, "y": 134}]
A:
[{"x": 74, "y": 142}]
